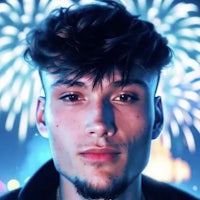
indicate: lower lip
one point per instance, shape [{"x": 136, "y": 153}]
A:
[{"x": 99, "y": 157}]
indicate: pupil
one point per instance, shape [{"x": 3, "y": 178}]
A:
[
  {"x": 123, "y": 97},
  {"x": 73, "y": 97}
]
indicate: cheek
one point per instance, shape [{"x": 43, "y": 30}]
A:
[
  {"x": 62, "y": 128},
  {"x": 134, "y": 124},
  {"x": 65, "y": 131},
  {"x": 63, "y": 139},
  {"x": 62, "y": 119}
]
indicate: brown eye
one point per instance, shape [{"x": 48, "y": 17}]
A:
[
  {"x": 70, "y": 97},
  {"x": 127, "y": 98}
]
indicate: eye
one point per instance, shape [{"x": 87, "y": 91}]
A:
[
  {"x": 127, "y": 98},
  {"x": 70, "y": 97}
]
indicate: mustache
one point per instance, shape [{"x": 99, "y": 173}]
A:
[{"x": 105, "y": 144}]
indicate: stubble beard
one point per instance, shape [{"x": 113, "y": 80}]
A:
[{"x": 87, "y": 191}]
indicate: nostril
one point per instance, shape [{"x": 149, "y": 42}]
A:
[
  {"x": 99, "y": 129},
  {"x": 96, "y": 128}
]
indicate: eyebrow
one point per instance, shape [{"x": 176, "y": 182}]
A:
[
  {"x": 117, "y": 84},
  {"x": 129, "y": 82},
  {"x": 68, "y": 83}
]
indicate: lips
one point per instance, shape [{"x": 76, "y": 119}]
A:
[{"x": 99, "y": 154}]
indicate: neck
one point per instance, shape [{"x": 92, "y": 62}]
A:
[{"x": 67, "y": 191}]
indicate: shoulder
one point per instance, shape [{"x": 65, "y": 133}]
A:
[
  {"x": 41, "y": 186},
  {"x": 154, "y": 190},
  {"x": 13, "y": 195}
]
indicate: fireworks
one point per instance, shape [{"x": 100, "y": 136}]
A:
[
  {"x": 179, "y": 87},
  {"x": 19, "y": 85}
]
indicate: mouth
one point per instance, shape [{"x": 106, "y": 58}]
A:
[{"x": 102, "y": 155}]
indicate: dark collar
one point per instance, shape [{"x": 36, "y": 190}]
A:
[{"x": 43, "y": 185}]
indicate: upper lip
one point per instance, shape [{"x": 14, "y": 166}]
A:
[{"x": 103, "y": 150}]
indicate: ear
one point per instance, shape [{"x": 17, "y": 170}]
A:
[
  {"x": 158, "y": 123},
  {"x": 40, "y": 119}
]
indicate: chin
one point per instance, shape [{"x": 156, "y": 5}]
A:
[{"x": 108, "y": 188}]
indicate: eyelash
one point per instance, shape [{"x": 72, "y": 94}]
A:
[
  {"x": 122, "y": 98},
  {"x": 127, "y": 98},
  {"x": 70, "y": 97}
]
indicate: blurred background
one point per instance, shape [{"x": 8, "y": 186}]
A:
[{"x": 175, "y": 155}]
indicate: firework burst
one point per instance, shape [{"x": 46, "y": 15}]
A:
[
  {"x": 19, "y": 85},
  {"x": 179, "y": 88}
]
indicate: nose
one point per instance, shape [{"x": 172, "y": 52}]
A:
[{"x": 100, "y": 120}]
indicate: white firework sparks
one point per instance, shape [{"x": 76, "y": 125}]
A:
[
  {"x": 179, "y": 88},
  {"x": 19, "y": 85},
  {"x": 180, "y": 85}
]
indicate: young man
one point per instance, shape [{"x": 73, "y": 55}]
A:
[{"x": 100, "y": 67}]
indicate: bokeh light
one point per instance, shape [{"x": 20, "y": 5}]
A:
[
  {"x": 13, "y": 184},
  {"x": 2, "y": 187}
]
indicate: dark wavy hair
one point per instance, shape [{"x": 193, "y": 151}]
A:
[{"x": 96, "y": 39}]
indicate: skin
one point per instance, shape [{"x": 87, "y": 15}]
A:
[{"x": 101, "y": 135}]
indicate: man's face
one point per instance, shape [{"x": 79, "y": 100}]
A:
[{"x": 100, "y": 135}]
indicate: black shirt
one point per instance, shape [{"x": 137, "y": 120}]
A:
[{"x": 44, "y": 184}]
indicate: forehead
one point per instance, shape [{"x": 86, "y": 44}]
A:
[{"x": 136, "y": 75}]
